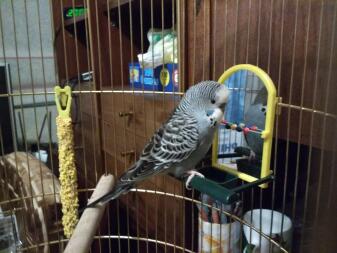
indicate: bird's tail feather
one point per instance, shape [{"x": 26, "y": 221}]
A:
[
  {"x": 120, "y": 187},
  {"x": 115, "y": 193}
]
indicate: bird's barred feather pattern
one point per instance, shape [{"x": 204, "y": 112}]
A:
[{"x": 171, "y": 144}]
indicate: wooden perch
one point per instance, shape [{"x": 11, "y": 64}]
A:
[{"x": 85, "y": 230}]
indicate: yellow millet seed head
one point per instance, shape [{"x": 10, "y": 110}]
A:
[{"x": 68, "y": 175}]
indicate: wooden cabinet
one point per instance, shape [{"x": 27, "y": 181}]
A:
[{"x": 129, "y": 120}]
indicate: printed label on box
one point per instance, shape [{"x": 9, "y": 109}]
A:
[
  {"x": 164, "y": 77},
  {"x": 148, "y": 72},
  {"x": 134, "y": 75},
  {"x": 175, "y": 78},
  {"x": 150, "y": 81}
]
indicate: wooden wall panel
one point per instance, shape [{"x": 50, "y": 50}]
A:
[{"x": 197, "y": 41}]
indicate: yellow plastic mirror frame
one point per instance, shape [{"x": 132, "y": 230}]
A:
[{"x": 267, "y": 134}]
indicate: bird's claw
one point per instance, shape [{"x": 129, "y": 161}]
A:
[
  {"x": 252, "y": 156},
  {"x": 237, "y": 208},
  {"x": 192, "y": 173}
]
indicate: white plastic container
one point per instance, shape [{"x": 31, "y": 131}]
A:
[
  {"x": 281, "y": 230},
  {"x": 215, "y": 238},
  {"x": 42, "y": 155}
]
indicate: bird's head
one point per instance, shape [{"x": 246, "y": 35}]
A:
[{"x": 206, "y": 97}]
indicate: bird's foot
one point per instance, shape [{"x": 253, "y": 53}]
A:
[
  {"x": 192, "y": 173},
  {"x": 237, "y": 208},
  {"x": 252, "y": 156}
]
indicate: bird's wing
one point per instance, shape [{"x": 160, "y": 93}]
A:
[{"x": 171, "y": 144}]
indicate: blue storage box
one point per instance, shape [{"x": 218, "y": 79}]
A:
[{"x": 161, "y": 78}]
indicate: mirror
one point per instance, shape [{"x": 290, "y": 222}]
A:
[{"x": 242, "y": 145}]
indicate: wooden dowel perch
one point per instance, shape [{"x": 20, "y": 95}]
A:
[{"x": 85, "y": 230}]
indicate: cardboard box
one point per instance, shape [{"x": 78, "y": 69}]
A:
[{"x": 161, "y": 78}]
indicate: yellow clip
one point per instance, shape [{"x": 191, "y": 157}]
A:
[{"x": 63, "y": 100}]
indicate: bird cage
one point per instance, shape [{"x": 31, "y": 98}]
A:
[{"x": 84, "y": 85}]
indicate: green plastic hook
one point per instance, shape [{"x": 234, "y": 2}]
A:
[{"x": 63, "y": 100}]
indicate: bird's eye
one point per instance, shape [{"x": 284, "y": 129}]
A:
[{"x": 213, "y": 101}]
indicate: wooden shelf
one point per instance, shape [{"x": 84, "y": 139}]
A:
[
  {"x": 72, "y": 21},
  {"x": 115, "y": 3}
]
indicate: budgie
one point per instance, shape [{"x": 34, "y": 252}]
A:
[
  {"x": 256, "y": 115},
  {"x": 181, "y": 142}
]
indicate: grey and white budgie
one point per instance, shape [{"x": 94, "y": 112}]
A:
[
  {"x": 256, "y": 115},
  {"x": 181, "y": 142}
]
